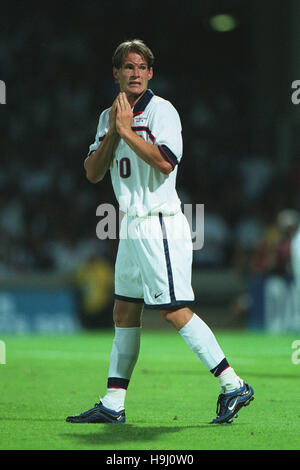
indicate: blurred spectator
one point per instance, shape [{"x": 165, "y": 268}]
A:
[
  {"x": 95, "y": 283},
  {"x": 216, "y": 238},
  {"x": 272, "y": 254},
  {"x": 256, "y": 173},
  {"x": 272, "y": 262},
  {"x": 12, "y": 223},
  {"x": 247, "y": 230}
]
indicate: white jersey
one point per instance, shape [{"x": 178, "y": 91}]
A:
[{"x": 140, "y": 189}]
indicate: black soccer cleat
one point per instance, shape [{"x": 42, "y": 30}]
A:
[
  {"x": 98, "y": 414},
  {"x": 229, "y": 404}
]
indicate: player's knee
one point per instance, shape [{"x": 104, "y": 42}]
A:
[
  {"x": 177, "y": 316},
  {"x": 168, "y": 315},
  {"x": 126, "y": 316},
  {"x": 164, "y": 314},
  {"x": 126, "y": 320}
]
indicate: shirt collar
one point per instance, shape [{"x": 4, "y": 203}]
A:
[{"x": 140, "y": 106}]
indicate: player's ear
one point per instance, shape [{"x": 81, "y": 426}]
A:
[
  {"x": 150, "y": 75},
  {"x": 116, "y": 74}
]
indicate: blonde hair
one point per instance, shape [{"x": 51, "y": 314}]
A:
[{"x": 133, "y": 45}]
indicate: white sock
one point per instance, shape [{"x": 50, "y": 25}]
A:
[
  {"x": 114, "y": 399},
  {"x": 229, "y": 381},
  {"x": 201, "y": 340},
  {"x": 124, "y": 354}
]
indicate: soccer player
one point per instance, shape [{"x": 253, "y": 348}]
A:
[{"x": 139, "y": 140}]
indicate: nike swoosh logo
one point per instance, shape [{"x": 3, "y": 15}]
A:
[
  {"x": 231, "y": 407},
  {"x": 157, "y": 295}
]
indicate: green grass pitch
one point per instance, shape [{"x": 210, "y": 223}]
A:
[{"x": 170, "y": 400}]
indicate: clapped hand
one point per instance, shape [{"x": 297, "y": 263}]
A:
[{"x": 124, "y": 114}]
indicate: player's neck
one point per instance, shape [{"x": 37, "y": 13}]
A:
[{"x": 133, "y": 99}]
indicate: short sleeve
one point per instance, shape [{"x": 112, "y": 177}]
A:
[
  {"x": 102, "y": 129},
  {"x": 166, "y": 128}
]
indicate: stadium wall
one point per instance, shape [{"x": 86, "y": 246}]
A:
[{"x": 50, "y": 304}]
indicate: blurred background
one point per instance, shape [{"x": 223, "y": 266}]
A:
[{"x": 228, "y": 68}]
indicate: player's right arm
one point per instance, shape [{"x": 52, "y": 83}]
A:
[{"x": 98, "y": 162}]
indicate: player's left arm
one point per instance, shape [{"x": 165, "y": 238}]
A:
[{"x": 147, "y": 152}]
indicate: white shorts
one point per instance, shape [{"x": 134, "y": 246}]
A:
[{"x": 154, "y": 261}]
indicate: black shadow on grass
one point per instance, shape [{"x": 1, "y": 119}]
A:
[{"x": 108, "y": 434}]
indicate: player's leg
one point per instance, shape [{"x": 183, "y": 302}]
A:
[
  {"x": 235, "y": 393},
  {"x": 127, "y": 317},
  {"x": 124, "y": 354},
  {"x": 167, "y": 287},
  {"x": 127, "y": 314},
  {"x": 201, "y": 340},
  {"x": 178, "y": 317}
]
